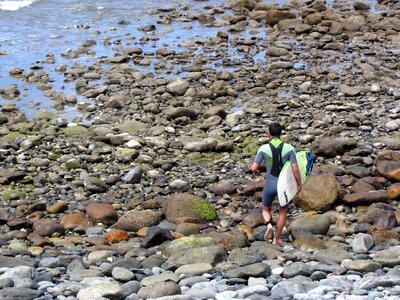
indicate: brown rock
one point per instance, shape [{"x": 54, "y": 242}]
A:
[
  {"x": 47, "y": 227},
  {"x": 319, "y": 193},
  {"x": 102, "y": 212},
  {"x": 382, "y": 235},
  {"x": 273, "y": 16},
  {"x": 394, "y": 174},
  {"x": 354, "y": 23},
  {"x": 222, "y": 188},
  {"x": 380, "y": 214},
  {"x": 57, "y": 208},
  {"x": 136, "y": 219},
  {"x": 309, "y": 243},
  {"x": 185, "y": 207},
  {"x": 393, "y": 191},
  {"x": 116, "y": 236},
  {"x": 77, "y": 220},
  {"x": 365, "y": 198},
  {"x": 229, "y": 240},
  {"x": 254, "y": 219},
  {"x": 388, "y": 164},
  {"x": 252, "y": 187},
  {"x": 360, "y": 186},
  {"x": 187, "y": 229},
  {"x": 17, "y": 223}
]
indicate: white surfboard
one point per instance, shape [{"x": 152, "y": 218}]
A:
[{"x": 287, "y": 185}]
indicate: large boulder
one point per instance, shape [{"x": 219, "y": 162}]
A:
[
  {"x": 185, "y": 207},
  {"x": 229, "y": 240},
  {"x": 137, "y": 219},
  {"x": 387, "y": 164},
  {"x": 332, "y": 146},
  {"x": 310, "y": 224},
  {"x": 319, "y": 193},
  {"x": 189, "y": 250},
  {"x": 274, "y": 16},
  {"x": 379, "y": 214},
  {"x": 102, "y": 212}
]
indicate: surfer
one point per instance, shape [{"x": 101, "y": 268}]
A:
[{"x": 274, "y": 154}]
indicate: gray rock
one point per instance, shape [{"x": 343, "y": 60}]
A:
[
  {"x": 82, "y": 274},
  {"x": 131, "y": 287},
  {"x": 11, "y": 293},
  {"x": 178, "y": 87},
  {"x": 19, "y": 272},
  {"x": 122, "y": 274},
  {"x": 296, "y": 268},
  {"x": 163, "y": 277},
  {"x": 362, "y": 243},
  {"x": 133, "y": 176},
  {"x": 361, "y": 265},
  {"x": 288, "y": 288},
  {"x": 109, "y": 290},
  {"x": 155, "y": 236},
  {"x": 257, "y": 270},
  {"x": 159, "y": 289},
  {"x": 315, "y": 224},
  {"x": 369, "y": 283}
]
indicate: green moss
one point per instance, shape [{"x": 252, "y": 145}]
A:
[
  {"x": 201, "y": 208},
  {"x": 205, "y": 158},
  {"x": 6, "y": 195},
  {"x": 77, "y": 132},
  {"x": 11, "y": 137},
  {"x": 250, "y": 146},
  {"x": 53, "y": 156}
]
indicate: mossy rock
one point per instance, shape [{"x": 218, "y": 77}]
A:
[
  {"x": 11, "y": 137},
  {"x": 185, "y": 207},
  {"x": 250, "y": 146},
  {"x": 73, "y": 163},
  {"x": 77, "y": 132},
  {"x": 203, "y": 158},
  {"x": 44, "y": 115},
  {"x": 10, "y": 194}
]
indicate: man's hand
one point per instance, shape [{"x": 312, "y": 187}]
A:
[
  {"x": 299, "y": 188},
  {"x": 254, "y": 169}
]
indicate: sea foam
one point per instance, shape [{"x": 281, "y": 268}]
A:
[{"x": 14, "y": 5}]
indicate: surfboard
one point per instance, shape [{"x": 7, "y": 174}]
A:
[{"x": 287, "y": 185}]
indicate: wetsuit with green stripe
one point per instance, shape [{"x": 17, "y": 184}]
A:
[{"x": 266, "y": 154}]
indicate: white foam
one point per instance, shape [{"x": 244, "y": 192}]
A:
[{"x": 14, "y": 5}]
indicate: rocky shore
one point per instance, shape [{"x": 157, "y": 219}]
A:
[{"x": 148, "y": 194}]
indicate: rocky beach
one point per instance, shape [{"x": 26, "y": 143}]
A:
[{"x": 145, "y": 191}]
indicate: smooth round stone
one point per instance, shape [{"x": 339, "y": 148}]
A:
[
  {"x": 257, "y": 281},
  {"x": 277, "y": 271},
  {"x": 99, "y": 255},
  {"x": 122, "y": 274}
]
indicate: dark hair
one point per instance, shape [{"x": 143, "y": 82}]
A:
[{"x": 275, "y": 129}]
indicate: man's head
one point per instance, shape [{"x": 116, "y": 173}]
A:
[{"x": 275, "y": 129}]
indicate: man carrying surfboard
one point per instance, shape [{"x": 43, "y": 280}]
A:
[{"x": 275, "y": 154}]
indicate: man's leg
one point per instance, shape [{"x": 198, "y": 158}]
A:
[
  {"x": 279, "y": 224},
  {"x": 266, "y": 213}
]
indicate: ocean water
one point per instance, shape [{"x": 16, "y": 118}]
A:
[{"x": 30, "y": 30}]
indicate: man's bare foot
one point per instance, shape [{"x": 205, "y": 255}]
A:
[
  {"x": 268, "y": 232},
  {"x": 278, "y": 242}
]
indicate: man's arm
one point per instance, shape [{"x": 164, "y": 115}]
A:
[{"x": 296, "y": 172}]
